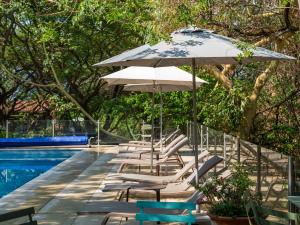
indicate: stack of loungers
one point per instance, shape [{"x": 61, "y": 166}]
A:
[{"x": 162, "y": 185}]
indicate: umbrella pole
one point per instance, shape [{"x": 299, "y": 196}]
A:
[
  {"x": 161, "y": 121},
  {"x": 195, "y": 144},
  {"x": 152, "y": 128}
]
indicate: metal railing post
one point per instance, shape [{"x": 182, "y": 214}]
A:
[
  {"x": 238, "y": 149},
  {"x": 215, "y": 145},
  {"x": 215, "y": 151},
  {"x": 291, "y": 181},
  {"x": 98, "y": 136},
  {"x": 201, "y": 137},
  {"x": 224, "y": 148},
  {"x": 187, "y": 130},
  {"x": 6, "y": 129},
  {"x": 98, "y": 133},
  {"x": 207, "y": 139},
  {"x": 191, "y": 135},
  {"x": 258, "y": 167},
  {"x": 53, "y": 128}
]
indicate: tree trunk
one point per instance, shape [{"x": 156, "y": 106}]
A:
[
  {"x": 220, "y": 75},
  {"x": 248, "y": 117},
  {"x": 251, "y": 105}
]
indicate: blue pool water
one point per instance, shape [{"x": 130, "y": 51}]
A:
[{"x": 17, "y": 167}]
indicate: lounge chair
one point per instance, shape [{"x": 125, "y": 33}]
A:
[
  {"x": 164, "y": 140},
  {"x": 182, "y": 188},
  {"x": 146, "y": 149},
  {"x": 159, "y": 179},
  {"x": 165, "y": 160},
  {"x": 18, "y": 214},
  {"x": 129, "y": 209}
]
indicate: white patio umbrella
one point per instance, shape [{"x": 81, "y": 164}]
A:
[
  {"x": 159, "y": 75},
  {"x": 161, "y": 88},
  {"x": 193, "y": 46},
  {"x": 150, "y": 79}
]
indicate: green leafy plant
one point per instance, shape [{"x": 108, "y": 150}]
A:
[
  {"x": 247, "y": 50},
  {"x": 229, "y": 196}
]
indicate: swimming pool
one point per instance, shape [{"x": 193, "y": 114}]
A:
[{"x": 18, "y": 167}]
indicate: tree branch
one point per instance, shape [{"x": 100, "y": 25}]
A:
[
  {"x": 251, "y": 104},
  {"x": 26, "y": 81},
  {"x": 62, "y": 89},
  {"x": 289, "y": 97},
  {"x": 261, "y": 80},
  {"x": 220, "y": 76}
]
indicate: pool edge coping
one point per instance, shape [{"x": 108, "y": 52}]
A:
[{"x": 33, "y": 184}]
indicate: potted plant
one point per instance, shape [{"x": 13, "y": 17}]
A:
[{"x": 228, "y": 197}]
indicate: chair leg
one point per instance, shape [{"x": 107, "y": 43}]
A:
[
  {"x": 117, "y": 196},
  {"x": 121, "y": 167},
  {"x": 180, "y": 160},
  {"x": 105, "y": 220},
  {"x": 121, "y": 196},
  {"x": 157, "y": 170}
]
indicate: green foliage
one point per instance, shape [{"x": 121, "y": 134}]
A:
[
  {"x": 222, "y": 110},
  {"x": 229, "y": 196},
  {"x": 285, "y": 135},
  {"x": 184, "y": 14},
  {"x": 285, "y": 2},
  {"x": 2, "y": 134},
  {"x": 188, "y": 12},
  {"x": 62, "y": 107},
  {"x": 218, "y": 108},
  {"x": 247, "y": 50},
  {"x": 77, "y": 34}
]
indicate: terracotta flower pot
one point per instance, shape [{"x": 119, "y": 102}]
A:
[{"x": 223, "y": 220}]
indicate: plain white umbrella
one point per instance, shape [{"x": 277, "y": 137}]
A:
[
  {"x": 161, "y": 88},
  {"x": 153, "y": 79},
  {"x": 159, "y": 75},
  {"x": 194, "y": 46}
]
